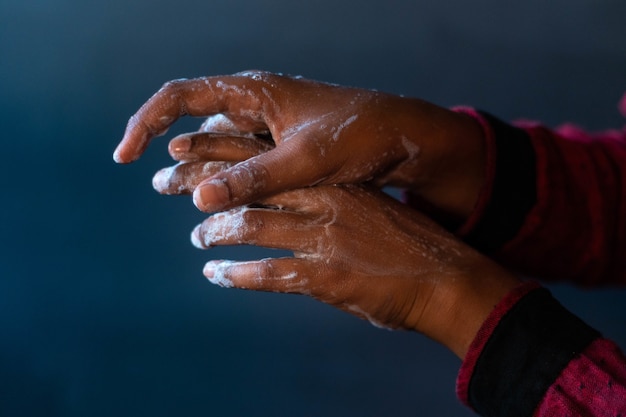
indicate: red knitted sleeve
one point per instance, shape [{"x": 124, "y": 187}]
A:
[
  {"x": 533, "y": 357},
  {"x": 592, "y": 385},
  {"x": 576, "y": 231},
  {"x": 554, "y": 204}
]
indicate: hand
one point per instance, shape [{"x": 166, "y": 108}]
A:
[
  {"x": 365, "y": 253},
  {"x": 320, "y": 134}
]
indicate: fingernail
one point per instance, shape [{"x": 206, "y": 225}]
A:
[
  {"x": 212, "y": 196},
  {"x": 180, "y": 145},
  {"x": 209, "y": 270},
  {"x": 195, "y": 238}
]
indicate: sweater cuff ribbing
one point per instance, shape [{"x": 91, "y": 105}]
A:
[
  {"x": 519, "y": 352},
  {"x": 510, "y": 190}
]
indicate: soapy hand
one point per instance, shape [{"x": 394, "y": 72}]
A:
[
  {"x": 294, "y": 133},
  {"x": 364, "y": 252},
  {"x": 202, "y": 156}
]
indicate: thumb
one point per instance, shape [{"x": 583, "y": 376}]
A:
[{"x": 281, "y": 169}]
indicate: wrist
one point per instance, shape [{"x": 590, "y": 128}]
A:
[
  {"x": 526, "y": 343},
  {"x": 460, "y": 171},
  {"x": 459, "y": 307}
]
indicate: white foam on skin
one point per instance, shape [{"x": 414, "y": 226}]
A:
[
  {"x": 411, "y": 148},
  {"x": 167, "y": 120},
  {"x": 270, "y": 98},
  {"x": 210, "y": 168},
  {"x": 412, "y": 153},
  {"x": 242, "y": 92},
  {"x": 223, "y": 227},
  {"x": 255, "y": 75},
  {"x": 358, "y": 310},
  {"x": 161, "y": 180},
  {"x": 343, "y": 125},
  {"x": 195, "y": 237},
  {"x": 218, "y": 123},
  {"x": 249, "y": 173},
  {"x": 216, "y": 273},
  {"x": 165, "y": 178},
  {"x": 294, "y": 130},
  {"x": 289, "y": 276}
]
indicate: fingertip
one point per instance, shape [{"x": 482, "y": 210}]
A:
[
  {"x": 179, "y": 145},
  {"x": 209, "y": 270},
  {"x": 122, "y": 155},
  {"x": 195, "y": 238},
  {"x": 212, "y": 195},
  {"x": 162, "y": 179},
  {"x": 215, "y": 272},
  {"x": 117, "y": 156},
  {"x": 133, "y": 144}
]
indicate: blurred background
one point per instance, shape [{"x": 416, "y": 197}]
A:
[{"x": 103, "y": 307}]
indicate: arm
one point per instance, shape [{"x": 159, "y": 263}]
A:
[
  {"x": 554, "y": 203},
  {"x": 427, "y": 281},
  {"x": 533, "y": 357}
]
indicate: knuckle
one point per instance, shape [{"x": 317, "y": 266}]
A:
[
  {"x": 173, "y": 85},
  {"x": 247, "y": 179},
  {"x": 265, "y": 270},
  {"x": 175, "y": 91}
]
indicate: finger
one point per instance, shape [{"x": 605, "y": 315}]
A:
[
  {"x": 290, "y": 166},
  {"x": 216, "y": 147},
  {"x": 183, "y": 178},
  {"x": 257, "y": 226},
  {"x": 286, "y": 275},
  {"x": 197, "y": 97}
]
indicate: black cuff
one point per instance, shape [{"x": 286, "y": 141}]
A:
[
  {"x": 526, "y": 353},
  {"x": 514, "y": 190}
]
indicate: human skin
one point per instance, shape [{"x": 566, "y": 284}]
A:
[
  {"x": 365, "y": 253},
  {"x": 316, "y": 133},
  {"x": 354, "y": 247}
]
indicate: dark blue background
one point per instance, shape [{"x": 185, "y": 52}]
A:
[{"x": 103, "y": 307}]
